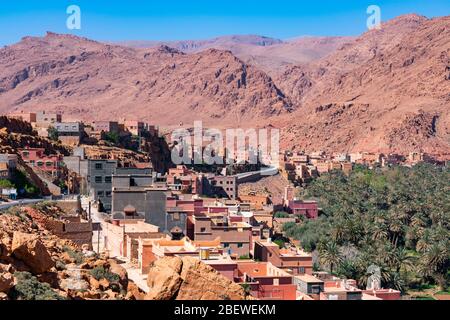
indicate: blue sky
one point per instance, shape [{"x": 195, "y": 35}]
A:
[{"x": 199, "y": 19}]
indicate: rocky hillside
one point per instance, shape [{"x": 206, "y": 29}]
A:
[
  {"x": 387, "y": 90},
  {"x": 266, "y": 53},
  {"x": 56, "y": 72},
  {"x": 36, "y": 265}
]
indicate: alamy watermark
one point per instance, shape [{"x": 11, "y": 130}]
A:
[
  {"x": 73, "y": 22},
  {"x": 374, "y": 20},
  {"x": 232, "y": 146}
]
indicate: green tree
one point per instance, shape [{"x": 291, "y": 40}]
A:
[
  {"x": 281, "y": 214},
  {"x": 6, "y": 184},
  {"x": 53, "y": 133},
  {"x": 330, "y": 255},
  {"x": 112, "y": 137}
]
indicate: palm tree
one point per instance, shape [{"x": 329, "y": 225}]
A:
[
  {"x": 330, "y": 255},
  {"x": 435, "y": 263}
]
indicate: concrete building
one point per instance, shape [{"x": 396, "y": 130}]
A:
[
  {"x": 106, "y": 126},
  {"x": 235, "y": 237},
  {"x": 309, "y": 285},
  {"x": 70, "y": 133},
  {"x": 266, "y": 282},
  {"x": 148, "y": 196},
  {"x": 24, "y": 116},
  {"x": 121, "y": 237},
  {"x": 45, "y": 119},
  {"x": 292, "y": 260},
  {"x": 256, "y": 202},
  {"x": 8, "y": 165},
  {"x": 36, "y": 157},
  {"x": 222, "y": 186},
  {"x": 99, "y": 180},
  {"x": 308, "y": 209},
  {"x": 135, "y": 127},
  {"x": 210, "y": 252}
]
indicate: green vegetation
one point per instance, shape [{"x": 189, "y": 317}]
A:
[
  {"x": 77, "y": 256},
  {"x": 101, "y": 273},
  {"x": 6, "y": 184},
  {"x": 281, "y": 214},
  {"x": 29, "y": 288},
  {"x": 112, "y": 137},
  {"x": 247, "y": 288},
  {"x": 279, "y": 242},
  {"x": 244, "y": 257},
  {"x": 24, "y": 187},
  {"x": 53, "y": 133},
  {"x": 396, "y": 218}
]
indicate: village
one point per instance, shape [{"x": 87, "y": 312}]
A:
[{"x": 139, "y": 208}]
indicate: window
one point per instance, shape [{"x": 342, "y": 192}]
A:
[
  {"x": 315, "y": 289},
  {"x": 202, "y": 229},
  {"x": 226, "y": 245},
  {"x": 49, "y": 164},
  {"x": 98, "y": 179},
  {"x": 301, "y": 270},
  {"x": 98, "y": 166},
  {"x": 108, "y": 194},
  {"x": 240, "y": 245},
  {"x": 108, "y": 179},
  {"x": 25, "y": 154},
  {"x": 100, "y": 193},
  {"x": 40, "y": 163}
]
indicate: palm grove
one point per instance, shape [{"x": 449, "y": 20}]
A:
[{"x": 394, "y": 218}]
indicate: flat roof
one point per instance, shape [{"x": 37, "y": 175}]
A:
[{"x": 308, "y": 278}]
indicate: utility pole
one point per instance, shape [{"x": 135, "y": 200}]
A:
[{"x": 98, "y": 240}]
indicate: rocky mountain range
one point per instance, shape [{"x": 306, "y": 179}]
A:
[
  {"x": 266, "y": 53},
  {"x": 386, "y": 90}
]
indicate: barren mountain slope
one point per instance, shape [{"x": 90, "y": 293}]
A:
[
  {"x": 83, "y": 78},
  {"x": 266, "y": 53},
  {"x": 388, "y": 91}
]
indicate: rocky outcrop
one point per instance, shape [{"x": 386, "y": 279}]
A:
[
  {"x": 188, "y": 278},
  {"x": 32, "y": 252},
  {"x": 164, "y": 279},
  {"x": 35, "y": 264},
  {"x": 6, "y": 279}
]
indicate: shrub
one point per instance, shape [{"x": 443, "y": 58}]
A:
[
  {"x": 101, "y": 273},
  {"x": 6, "y": 184},
  {"x": 77, "y": 256},
  {"x": 29, "y": 288},
  {"x": 60, "y": 265},
  {"x": 53, "y": 133},
  {"x": 279, "y": 242},
  {"x": 281, "y": 214}
]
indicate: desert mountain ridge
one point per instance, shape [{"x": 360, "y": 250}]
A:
[
  {"x": 268, "y": 54},
  {"x": 387, "y": 90}
]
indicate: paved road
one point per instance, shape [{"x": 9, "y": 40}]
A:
[
  {"x": 264, "y": 172},
  {"x": 7, "y": 205},
  {"x": 97, "y": 239}
]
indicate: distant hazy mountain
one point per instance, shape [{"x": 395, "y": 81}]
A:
[{"x": 267, "y": 53}]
